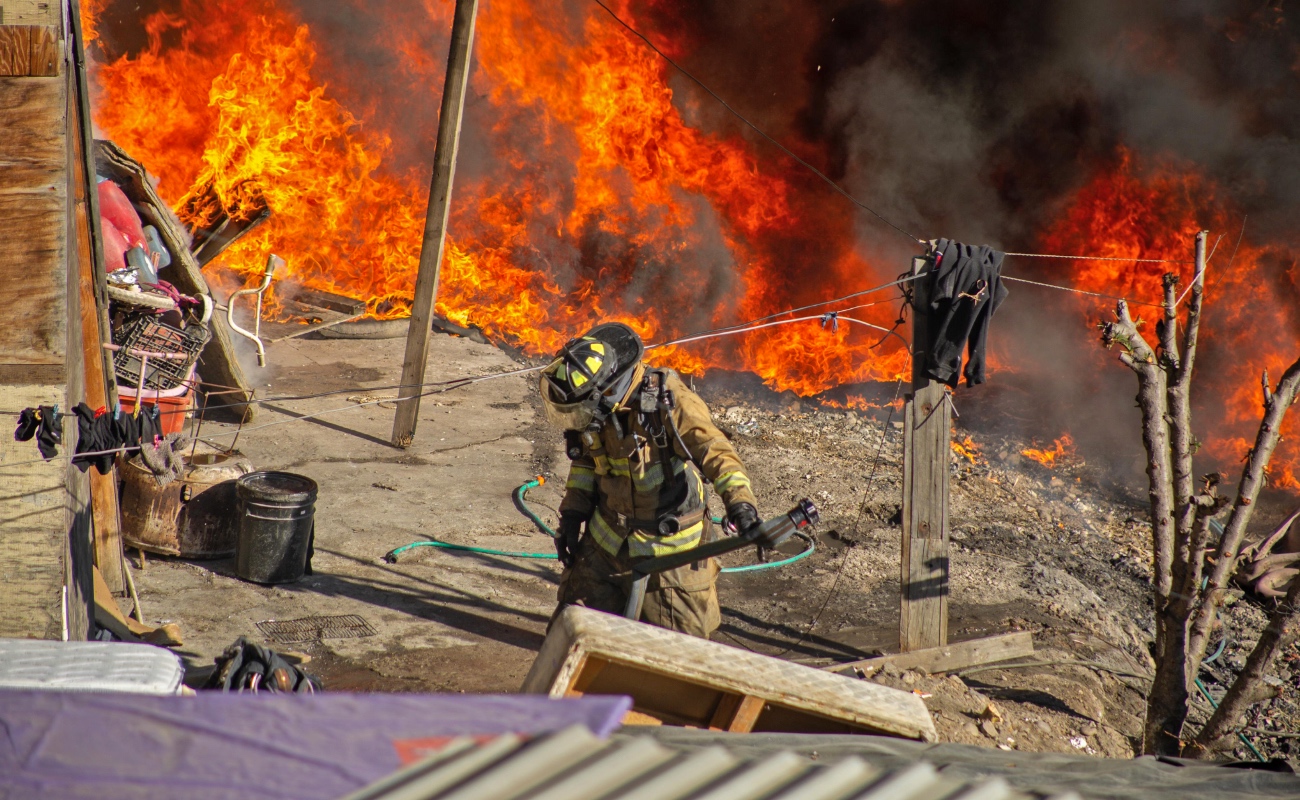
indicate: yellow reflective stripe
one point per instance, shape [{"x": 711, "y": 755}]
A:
[
  {"x": 608, "y": 539},
  {"x": 581, "y": 478},
  {"x": 730, "y": 482},
  {"x": 651, "y": 480},
  {"x": 654, "y": 476},
  {"x": 643, "y": 543}
]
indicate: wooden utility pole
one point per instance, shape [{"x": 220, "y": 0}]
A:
[
  {"x": 927, "y": 455},
  {"x": 435, "y": 222}
]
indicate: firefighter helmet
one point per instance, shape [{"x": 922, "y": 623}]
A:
[{"x": 591, "y": 375}]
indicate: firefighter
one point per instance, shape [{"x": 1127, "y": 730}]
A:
[{"x": 642, "y": 445}]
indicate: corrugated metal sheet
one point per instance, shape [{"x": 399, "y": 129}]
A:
[{"x": 573, "y": 764}]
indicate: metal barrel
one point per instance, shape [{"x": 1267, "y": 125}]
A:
[{"x": 276, "y": 520}]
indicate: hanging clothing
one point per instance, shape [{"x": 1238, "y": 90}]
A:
[
  {"x": 99, "y": 431},
  {"x": 46, "y": 424},
  {"x": 965, "y": 289}
]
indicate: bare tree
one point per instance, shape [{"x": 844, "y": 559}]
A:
[{"x": 1186, "y": 599}]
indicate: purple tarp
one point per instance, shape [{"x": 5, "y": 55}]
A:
[{"x": 315, "y": 747}]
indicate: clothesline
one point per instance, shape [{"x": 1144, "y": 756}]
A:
[
  {"x": 1083, "y": 291},
  {"x": 1104, "y": 258}
]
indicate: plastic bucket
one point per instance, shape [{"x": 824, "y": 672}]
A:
[{"x": 276, "y": 515}]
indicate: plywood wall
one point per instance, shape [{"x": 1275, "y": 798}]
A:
[{"x": 38, "y": 502}]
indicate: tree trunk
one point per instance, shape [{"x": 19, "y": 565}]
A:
[
  {"x": 1167, "y": 703},
  {"x": 1226, "y": 718}
]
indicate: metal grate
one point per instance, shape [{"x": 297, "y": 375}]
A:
[{"x": 311, "y": 629}]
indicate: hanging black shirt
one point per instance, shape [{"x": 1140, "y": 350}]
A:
[{"x": 965, "y": 289}]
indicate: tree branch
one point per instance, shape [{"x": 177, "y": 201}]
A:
[
  {"x": 1242, "y": 694},
  {"x": 1180, "y": 409},
  {"x": 1208, "y": 503},
  {"x": 1277, "y": 404},
  {"x": 1181, "y": 424}
]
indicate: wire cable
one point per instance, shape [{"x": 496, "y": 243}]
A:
[
  {"x": 754, "y": 127},
  {"x": 440, "y": 387},
  {"x": 691, "y": 337},
  {"x": 839, "y": 572},
  {"x": 1104, "y": 258},
  {"x": 1083, "y": 291},
  {"x": 456, "y": 381}
]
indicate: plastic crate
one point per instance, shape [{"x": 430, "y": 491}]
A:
[{"x": 151, "y": 335}]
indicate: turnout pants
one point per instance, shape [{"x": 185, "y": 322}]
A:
[{"x": 684, "y": 599}]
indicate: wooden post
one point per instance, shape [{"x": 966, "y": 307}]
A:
[
  {"x": 927, "y": 455},
  {"x": 100, "y": 383},
  {"x": 435, "y": 222}
]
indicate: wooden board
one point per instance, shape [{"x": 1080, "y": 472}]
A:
[
  {"x": 28, "y": 51},
  {"x": 33, "y": 519},
  {"x": 737, "y": 713},
  {"x": 107, "y": 524},
  {"x": 950, "y": 657},
  {"x": 30, "y": 12},
  {"x": 927, "y": 456},
  {"x": 33, "y": 200}
]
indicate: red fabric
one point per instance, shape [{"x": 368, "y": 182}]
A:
[
  {"x": 115, "y": 208},
  {"x": 413, "y": 750},
  {"x": 115, "y": 246}
]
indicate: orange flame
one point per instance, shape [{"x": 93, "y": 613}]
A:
[
  {"x": 589, "y": 147},
  {"x": 1062, "y": 448},
  {"x": 1153, "y": 209},
  {"x": 966, "y": 449}
]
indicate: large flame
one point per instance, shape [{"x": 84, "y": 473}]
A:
[
  {"x": 1153, "y": 210},
  {"x": 587, "y": 191},
  {"x": 597, "y": 174}
]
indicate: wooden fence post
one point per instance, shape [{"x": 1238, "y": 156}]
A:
[
  {"x": 435, "y": 223},
  {"x": 927, "y": 455}
]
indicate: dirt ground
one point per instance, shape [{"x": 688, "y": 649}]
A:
[{"x": 1062, "y": 553}]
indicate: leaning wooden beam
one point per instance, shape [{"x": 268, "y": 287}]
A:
[
  {"x": 100, "y": 387},
  {"x": 950, "y": 657},
  {"x": 435, "y": 223}
]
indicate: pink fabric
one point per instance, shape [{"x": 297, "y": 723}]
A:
[
  {"x": 115, "y": 208},
  {"x": 115, "y": 246}
]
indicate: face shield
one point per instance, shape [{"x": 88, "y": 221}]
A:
[
  {"x": 570, "y": 416},
  {"x": 579, "y": 413}
]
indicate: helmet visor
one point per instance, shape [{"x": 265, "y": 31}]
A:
[{"x": 573, "y": 416}]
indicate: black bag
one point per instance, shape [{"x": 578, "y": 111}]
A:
[{"x": 249, "y": 667}]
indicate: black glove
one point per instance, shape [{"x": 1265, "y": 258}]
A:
[
  {"x": 566, "y": 544},
  {"x": 743, "y": 516}
]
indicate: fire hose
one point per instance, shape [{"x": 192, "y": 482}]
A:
[{"x": 521, "y": 503}]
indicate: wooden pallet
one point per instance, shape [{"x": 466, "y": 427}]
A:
[{"x": 674, "y": 679}]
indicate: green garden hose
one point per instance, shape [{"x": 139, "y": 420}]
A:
[
  {"x": 1206, "y": 693},
  {"x": 521, "y": 503}
]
